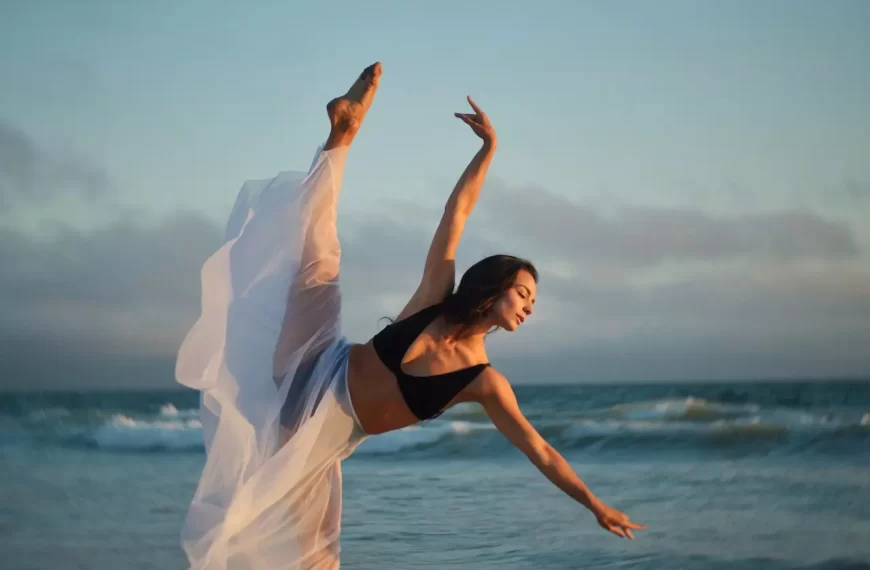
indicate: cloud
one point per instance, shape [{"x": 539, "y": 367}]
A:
[
  {"x": 30, "y": 174},
  {"x": 580, "y": 249},
  {"x": 857, "y": 192},
  {"x": 669, "y": 359},
  {"x": 645, "y": 292},
  {"x": 126, "y": 287},
  {"x": 124, "y": 264},
  {"x": 755, "y": 302},
  {"x": 640, "y": 292},
  {"x": 643, "y": 237}
]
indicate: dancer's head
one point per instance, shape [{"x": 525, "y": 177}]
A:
[{"x": 498, "y": 291}]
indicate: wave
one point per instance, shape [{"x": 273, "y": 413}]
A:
[
  {"x": 749, "y": 433},
  {"x": 654, "y": 426},
  {"x": 416, "y": 438},
  {"x": 686, "y": 409},
  {"x": 49, "y": 413},
  {"x": 168, "y": 410},
  {"x": 123, "y": 433}
]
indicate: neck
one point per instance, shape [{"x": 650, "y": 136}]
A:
[{"x": 460, "y": 333}]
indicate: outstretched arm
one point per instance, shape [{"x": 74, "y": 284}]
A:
[
  {"x": 501, "y": 405},
  {"x": 439, "y": 271}
]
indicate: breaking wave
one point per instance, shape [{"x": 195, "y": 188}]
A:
[{"x": 661, "y": 425}]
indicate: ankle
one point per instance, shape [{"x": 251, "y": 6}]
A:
[{"x": 338, "y": 138}]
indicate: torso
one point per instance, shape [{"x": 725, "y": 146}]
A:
[{"x": 374, "y": 390}]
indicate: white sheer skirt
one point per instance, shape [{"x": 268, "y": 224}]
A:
[{"x": 269, "y": 360}]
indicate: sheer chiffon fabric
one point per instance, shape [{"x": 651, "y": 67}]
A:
[{"x": 269, "y": 360}]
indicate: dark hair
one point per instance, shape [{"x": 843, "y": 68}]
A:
[{"x": 481, "y": 286}]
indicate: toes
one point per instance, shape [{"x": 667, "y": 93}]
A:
[
  {"x": 374, "y": 69},
  {"x": 371, "y": 72}
]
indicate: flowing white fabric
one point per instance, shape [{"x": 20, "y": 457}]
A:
[{"x": 269, "y": 360}]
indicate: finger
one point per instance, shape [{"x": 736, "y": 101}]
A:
[
  {"x": 476, "y": 108},
  {"x": 474, "y": 118},
  {"x": 628, "y": 533},
  {"x": 470, "y": 123},
  {"x": 634, "y": 525},
  {"x": 617, "y": 531}
]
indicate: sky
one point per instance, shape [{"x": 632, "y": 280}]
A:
[{"x": 691, "y": 178}]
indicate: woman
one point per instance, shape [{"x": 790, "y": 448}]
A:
[{"x": 270, "y": 493}]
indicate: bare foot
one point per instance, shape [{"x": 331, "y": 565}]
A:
[{"x": 346, "y": 113}]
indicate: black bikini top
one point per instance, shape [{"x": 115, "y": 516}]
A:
[{"x": 424, "y": 395}]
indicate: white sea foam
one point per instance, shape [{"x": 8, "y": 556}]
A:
[
  {"x": 125, "y": 433},
  {"x": 168, "y": 410},
  {"x": 685, "y": 409},
  {"x": 174, "y": 429}
]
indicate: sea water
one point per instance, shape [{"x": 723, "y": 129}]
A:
[{"x": 740, "y": 475}]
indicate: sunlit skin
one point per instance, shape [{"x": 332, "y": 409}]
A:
[
  {"x": 347, "y": 112},
  {"x": 516, "y": 304},
  {"x": 442, "y": 346}
]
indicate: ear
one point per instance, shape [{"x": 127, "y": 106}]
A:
[{"x": 487, "y": 308}]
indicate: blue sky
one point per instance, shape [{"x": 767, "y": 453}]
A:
[{"x": 704, "y": 165}]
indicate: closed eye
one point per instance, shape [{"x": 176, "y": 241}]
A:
[{"x": 522, "y": 295}]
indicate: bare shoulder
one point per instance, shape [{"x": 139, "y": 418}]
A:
[
  {"x": 497, "y": 397},
  {"x": 426, "y": 295},
  {"x": 490, "y": 385}
]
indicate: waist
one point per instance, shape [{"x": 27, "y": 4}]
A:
[{"x": 375, "y": 393}]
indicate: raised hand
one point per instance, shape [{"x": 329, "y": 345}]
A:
[
  {"x": 479, "y": 123},
  {"x": 616, "y": 522}
]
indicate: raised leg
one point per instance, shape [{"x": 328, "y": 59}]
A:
[
  {"x": 313, "y": 302},
  {"x": 346, "y": 113}
]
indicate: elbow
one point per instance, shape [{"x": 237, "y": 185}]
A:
[
  {"x": 459, "y": 207},
  {"x": 542, "y": 455}
]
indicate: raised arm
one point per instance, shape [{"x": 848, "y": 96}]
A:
[
  {"x": 500, "y": 403},
  {"x": 439, "y": 271}
]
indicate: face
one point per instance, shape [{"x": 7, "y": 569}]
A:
[{"x": 517, "y": 303}]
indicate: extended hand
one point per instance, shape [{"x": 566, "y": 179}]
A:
[
  {"x": 479, "y": 123},
  {"x": 616, "y": 522}
]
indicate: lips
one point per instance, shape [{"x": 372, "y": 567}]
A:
[{"x": 521, "y": 319}]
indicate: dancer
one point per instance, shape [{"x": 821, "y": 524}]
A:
[{"x": 285, "y": 397}]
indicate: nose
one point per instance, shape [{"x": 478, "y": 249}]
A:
[{"x": 528, "y": 309}]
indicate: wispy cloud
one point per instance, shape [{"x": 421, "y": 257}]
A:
[
  {"x": 788, "y": 290},
  {"x": 30, "y": 173},
  {"x": 639, "y": 284},
  {"x": 641, "y": 236},
  {"x": 115, "y": 285}
]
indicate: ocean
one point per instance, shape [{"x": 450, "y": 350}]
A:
[{"x": 740, "y": 476}]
